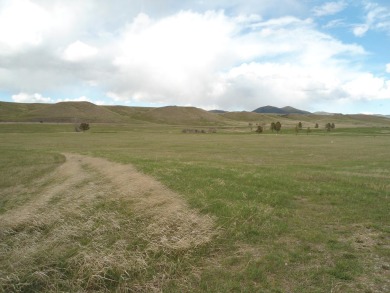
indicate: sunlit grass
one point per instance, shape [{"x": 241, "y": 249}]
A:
[{"x": 296, "y": 213}]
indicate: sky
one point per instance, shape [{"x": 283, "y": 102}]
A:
[{"x": 234, "y": 55}]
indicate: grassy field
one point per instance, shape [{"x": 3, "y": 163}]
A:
[{"x": 290, "y": 213}]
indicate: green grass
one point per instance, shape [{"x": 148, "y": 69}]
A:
[
  {"x": 296, "y": 213},
  {"x": 19, "y": 168}
]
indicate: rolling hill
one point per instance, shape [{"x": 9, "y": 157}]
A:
[
  {"x": 17, "y": 111},
  {"x": 63, "y": 112},
  {"x": 181, "y": 115},
  {"x": 76, "y": 112}
]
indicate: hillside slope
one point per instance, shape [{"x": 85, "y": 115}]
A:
[
  {"x": 250, "y": 117},
  {"x": 63, "y": 112},
  {"x": 17, "y": 111},
  {"x": 181, "y": 116},
  {"x": 75, "y": 112}
]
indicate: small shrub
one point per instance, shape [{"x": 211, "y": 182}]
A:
[{"x": 84, "y": 126}]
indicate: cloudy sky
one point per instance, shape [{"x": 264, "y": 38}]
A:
[{"x": 214, "y": 54}]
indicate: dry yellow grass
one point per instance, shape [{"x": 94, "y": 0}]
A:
[
  {"x": 173, "y": 224},
  {"x": 69, "y": 237}
]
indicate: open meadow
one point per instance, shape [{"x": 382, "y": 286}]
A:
[{"x": 147, "y": 208}]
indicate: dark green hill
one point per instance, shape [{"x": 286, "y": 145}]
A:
[
  {"x": 291, "y": 110},
  {"x": 276, "y": 110},
  {"x": 269, "y": 110}
]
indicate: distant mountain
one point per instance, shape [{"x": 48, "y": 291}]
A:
[
  {"x": 276, "y": 110},
  {"x": 323, "y": 113},
  {"x": 218, "y": 111},
  {"x": 380, "y": 115},
  {"x": 269, "y": 110},
  {"x": 291, "y": 110}
]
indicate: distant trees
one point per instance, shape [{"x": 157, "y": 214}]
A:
[
  {"x": 330, "y": 126},
  {"x": 298, "y": 127},
  {"x": 272, "y": 127},
  {"x": 278, "y": 126},
  {"x": 82, "y": 127},
  {"x": 210, "y": 130},
  {"x": 259, "y": 129},
  {"x": 250, "y": 125}
]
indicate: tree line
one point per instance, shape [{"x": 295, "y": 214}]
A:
[{"x": 277, "y": 126}]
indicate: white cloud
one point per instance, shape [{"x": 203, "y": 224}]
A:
[
  {"x": 116, "y": 97},
  {"x": 335, "y": 23},
  {"x": 79, "y": 51},
  {"x": 206, "y": 58},
  {"x": 173, "y": 57},
  {"x": 38, "y": 98},
  {"x": 368, "y": 87},
  {"x": 201, "y": 59},
  {"x": 82, "y": 99},
  {"x": 29, "y": 24},
  {"x": 329, "y": 8},
  {"x": 30, "y": 98},
  {"x": 286, "y": 83},
  {"x": 360, "y": 30},
  {"x": 377, "y": 18},
  {"x": 22, "y": 23}
]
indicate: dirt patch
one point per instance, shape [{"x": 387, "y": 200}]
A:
[{"x": 367, "y": 240}]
